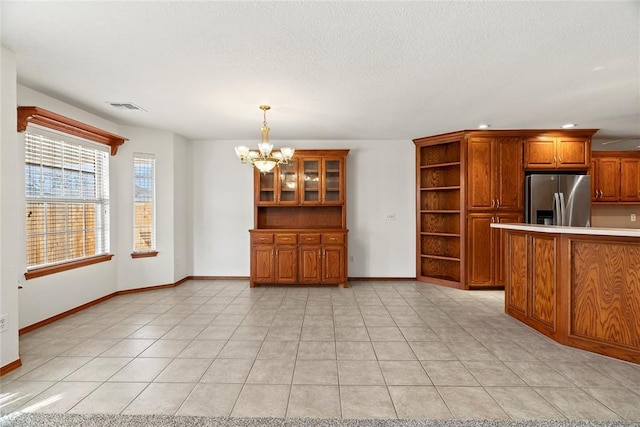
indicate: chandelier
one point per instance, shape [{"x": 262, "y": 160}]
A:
[{"x": 265, "y": 159}]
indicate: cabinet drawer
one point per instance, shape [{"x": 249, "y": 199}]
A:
[
  {"x": 309, "y": 239},
  {"x": 333, "y": 238},
  {"x": 262, "y": 238},
  {"x": 287, "y": 239}
]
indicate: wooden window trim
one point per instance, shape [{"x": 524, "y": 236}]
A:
[
  {"x": 51, "y": 120},
  {"x": 148, "y": 254},
  {"x": 51, "y": 269}
]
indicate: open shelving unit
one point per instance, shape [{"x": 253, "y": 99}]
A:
[{"x": 440, "y": 201}]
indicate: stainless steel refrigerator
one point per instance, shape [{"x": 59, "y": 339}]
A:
[{"x": 561, "y": 199}]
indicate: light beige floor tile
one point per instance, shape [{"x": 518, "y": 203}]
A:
[
  {"x": 316, "y": 372},
  {"x": 388, "y": 350},
  {"x": 415, "y": 402},
  {"x": 366, "y": 402},
  {"x": 119, "y": 331},
  {"x": 228, "y": 319},
  {"x": 620, "y": 400},
  {"x": 128, "y": 348},
  {"x": 217, "y": 332},
  {"x": 240, "y": 350},
  {"x": 168, "y": 318},
  {"x": 109, "y": 398},
  {"x": 165, "y": 348},
  {"x": 432, "y": 350},
  {"x": 98, "y": 369},
  {"x": 523, "y": 403},
  {"x": 184, "y": 371},
  {"x": 322, "y": 350},
  {"x": 351, "y": 333},
  {"x": 262, "y": 400},
  {"x": 250, "y": 333},
  {"x": 271, "y": 371},
  {"x": 56, "y": 369},
  {"x": 406, "y": 372},
  {"x": 418, "y": 333},
  {"x": 314, "y": 401},
  {"x": 583, "y": 375},
  {"x": 284, "y": 333},
  {"x": 471, "y": 403},
  {"x": 318, "y": 333},
  {"x": 575, "y": 404},
  {"x": 162, "y": 399},
  {"x": 378, "y": 320},
  {"x": 60, "y": 397},
  {"x": 448, "y": 373},
  {"x": 627, "y": 374},
  {"x": 92, "y": 347},
  {"x": 29, "y": 363},
  {"x": 279, "y": 350},
  {"x": 15, "y": 394},
  {"x": 470, "y": 350},
  {"x": 211, "y": 400},
  {"x": 492, "y": 373},
  {"x": 385, "y": 333},
  {"x": 228, "y": 371},
  {"x": 360, "y": 372},
  {"x": 354, "y": 350},
  {"x": 151, "y": 331},
  {"x": 509, "y": 351},
  {"x": 538, "y": 374},
  {"x": 183, "y": 332},
  {"x": 141, "y": 369},
  {"x": 348, "y": 321},
  {"x": 202, "y": 349}
]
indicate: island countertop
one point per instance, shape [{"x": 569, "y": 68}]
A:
[
  {"x": 578, "y": 285},
  {"x": 559, "y": 229}
]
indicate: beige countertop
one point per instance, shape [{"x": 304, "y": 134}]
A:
[{"x": 558, "y": 229}]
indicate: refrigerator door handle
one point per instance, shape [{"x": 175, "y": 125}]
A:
[
  {"x": 562, "y": 209},
  {"x": 557, "y": 214}
]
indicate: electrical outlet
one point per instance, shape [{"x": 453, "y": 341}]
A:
[
  {"x": 350, "y": 259},
  {"x": 633, "y": 217},
  {"x": 390, "y": 217},
  {"x": 4, "y": 322}
]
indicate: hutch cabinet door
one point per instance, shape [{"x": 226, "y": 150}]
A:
[
  {"x": 630, "y": 180},
  {"x": 262, "y": 268},
  {"x": 332, "y": 181},
  {"x": 310, "y": 181},
  {"x": 333, "y": 265},
  {"x": 508, "y": 185},
  {"x": 288, "y": 183},
  {"x": 286, "y": 264},
  {"x": 265, "y": 187},
  {"x": 310, "y": 256},
  {"x": 479, "y": 173}
]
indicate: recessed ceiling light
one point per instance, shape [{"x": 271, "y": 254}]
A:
[
  {"x": 568, "y": 125},
  {"x": 484, "y": 126}
]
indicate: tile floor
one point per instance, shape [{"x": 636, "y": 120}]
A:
[{"x": 374, "y": 350}]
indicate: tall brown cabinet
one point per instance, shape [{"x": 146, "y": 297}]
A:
[
  {"x": 467, "y": 180},
  {"x": 300, "y": 219}
]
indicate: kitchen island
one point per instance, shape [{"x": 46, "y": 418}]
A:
[{"x": 579, "y": 286}]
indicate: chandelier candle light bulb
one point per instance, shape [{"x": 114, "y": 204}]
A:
[{"x": 265, "y": 159}]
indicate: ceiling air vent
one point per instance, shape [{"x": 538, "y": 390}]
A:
[{"x": 126, "y": 106}]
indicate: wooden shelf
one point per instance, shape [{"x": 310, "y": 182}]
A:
[
  {"x": 440, "y": 165},
  {"x": 447, "y": 258},
  {"x": 449, "y": 188},
  {"x": 443, "y": 211},
  {"x": 426, "y": 233}
]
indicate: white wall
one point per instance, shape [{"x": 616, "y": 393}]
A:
[
  {"x": 380, "y": 181},
  {"x": 11, "y": 245},
  {"x": 180, "y": 209}
]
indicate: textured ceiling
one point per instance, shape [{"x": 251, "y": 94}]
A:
[{"x": 337, "y": 70}]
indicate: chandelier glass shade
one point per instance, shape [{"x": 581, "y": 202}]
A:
[{"x": 265, "y": 159}]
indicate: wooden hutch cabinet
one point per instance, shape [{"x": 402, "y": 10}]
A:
[
  {"x": 469, "y": 179},
  {"x": 300, "y": 234}
]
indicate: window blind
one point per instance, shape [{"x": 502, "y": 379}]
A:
[
  {"x": 144, "y": 202},
  {"x": 67, "y": 198}
]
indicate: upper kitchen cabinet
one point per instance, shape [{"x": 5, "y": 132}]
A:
[
  {"x": 570, "y": 150},
  {"x": 615, "y": 177},
  {"x": 495, "y": 173}
]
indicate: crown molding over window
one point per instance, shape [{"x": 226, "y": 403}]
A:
[{"x": 46, "y": 118}]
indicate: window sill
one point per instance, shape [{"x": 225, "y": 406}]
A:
[
  {"x": 144, "y": 254},
  {"x": 45, "y": 271}
]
